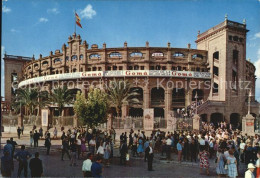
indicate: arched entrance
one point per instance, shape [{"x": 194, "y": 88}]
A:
[
  {"x": 235, "y": 120},
  {"x": 136, "y": 112},
  {"x": 139, "y": 91},
  {"x": 216, "y": 117},
  {"x": 178, "y": 98},
  {"x": 157, "y": 96},
  {"x": 199, "y": 94},
  {"x": 204, "y": 117},
  {"x": 74, "y": 92},
  {"x": 159, "y": 112}
]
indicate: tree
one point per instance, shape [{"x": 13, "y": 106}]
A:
[
  {"x": 119, "y": 93},
  {"x": 28, "y": 98},
  {"x": 93, "y": 110},
  {"x": 61, "y": 97},
  {"x": 80, "y": 106}
]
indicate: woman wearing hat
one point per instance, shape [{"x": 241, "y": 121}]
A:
[{"x": 250, "y": 172}]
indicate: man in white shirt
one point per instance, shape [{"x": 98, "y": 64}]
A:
[
  {"x": 86, "y": 167},
  {"x": 250, "y": 172},
  {"x": 241, "y": 150}
]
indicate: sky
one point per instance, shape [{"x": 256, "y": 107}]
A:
[{"x": 34, "y": 27}]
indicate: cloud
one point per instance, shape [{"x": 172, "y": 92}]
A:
[
  {"x": 257, "y": 64},
  {"x": 14, "y": 30},
  {"x": 88, "y": 12},
  {"x": 6, "y": 9},
  {"x": 257, "y": 73},
  {"x": 257, "y": 35},
  {"x": 53, "y": 11},
  {"x": 42, "y": 19}
]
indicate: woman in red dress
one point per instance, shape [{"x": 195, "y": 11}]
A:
[
  {"x": 257, "y": 165},
  {"x": 204, "y": 159}
]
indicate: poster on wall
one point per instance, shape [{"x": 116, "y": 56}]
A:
[
  {"x": 45, "y": 113},
  {"x": 171, "y": 121},
  {"x": 148, "y": 119}
]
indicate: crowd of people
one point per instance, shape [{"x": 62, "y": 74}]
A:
[
  {"x": 22, "y": 156},
  {"x": 220, "y": 144}
]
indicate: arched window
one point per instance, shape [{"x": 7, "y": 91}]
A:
[
  {"x": 216, "y": 55},
  {"x": 67, "y": 58},
  {"x": 45, "y": 63},
  {"x": 136, "y": 67},
  {"x": 114, "y": 67},
  {"x": 157, "y": 54},
  {"x": 178, "y": 54},
  {"x": 173, "y": 68},
  {"x": 29, "y": 68},
  {"x": 215, "y": 88},
  {"x": 36, "y": 65},
  {"x": 74, "y": 70},
  {"x": 57, "y": 60},
  {"x": 81, "y": 57},
  {"x": 197, "y": 56},
  {"x": 158, "y": 67},
  {"x": 235, "y": 38},
  {"x": 136, "y": 54},
  {"x": 92, "y": 56},
  {"x": 178, "y": 68},
  {"x": 74, "y": 57},
  {"x": 115, "y": 54}
]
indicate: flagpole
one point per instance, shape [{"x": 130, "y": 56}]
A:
[{"x": 75, "y": 20}]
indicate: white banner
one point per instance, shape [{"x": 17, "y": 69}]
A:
[
  {"x": 118, "y": 73},
  {"x": 45, "y": 113},
  {"x": 148, "y": 119}
]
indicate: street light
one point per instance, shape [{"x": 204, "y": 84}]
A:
[
  {"x": 196, "y": 97},
  {"x": 249, "y": 100}
]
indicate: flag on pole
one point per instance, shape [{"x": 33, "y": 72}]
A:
[{"x": 78, "y": 20}]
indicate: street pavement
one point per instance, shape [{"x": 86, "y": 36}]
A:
[{"x": 54, "y": 167}]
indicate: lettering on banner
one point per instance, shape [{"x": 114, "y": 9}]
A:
[{"x": 120, "y": 73}]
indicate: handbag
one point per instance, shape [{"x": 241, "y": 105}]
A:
[{"x": 226, "y": 166}]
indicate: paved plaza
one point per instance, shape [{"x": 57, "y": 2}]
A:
[{"x": 54, "y": 167}]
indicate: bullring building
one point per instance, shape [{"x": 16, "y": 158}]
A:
[{"x": 167, "y": 78}]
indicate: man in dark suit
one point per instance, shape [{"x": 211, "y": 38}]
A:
[
  {"x": 36, "y": 166},
  {"x": 123, "y": 151},
  {"x": 36, "y": 137},
  {"x": 149, "y": 153}
]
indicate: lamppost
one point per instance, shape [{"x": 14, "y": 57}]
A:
[
  {"x": 249, "y": 101},
  {"x": 196, "y": 97}
]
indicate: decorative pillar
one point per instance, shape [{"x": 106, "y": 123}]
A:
[
  {"x": 196, "y": 123},
  {"x": 188, "y": 96},
  {"x": 168, "y": 102},
  {"x": 75, "y": 121},
  {"x": 147, "y": 98},
  {"x": 248, "y": 124},
  {"x": 125, "y": 111}
]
